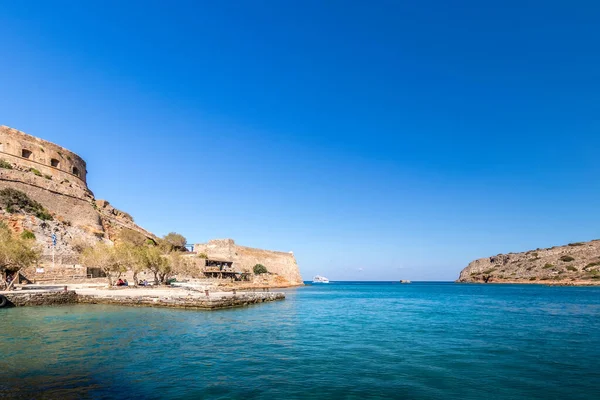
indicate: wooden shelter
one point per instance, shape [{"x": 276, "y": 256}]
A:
[{"x": 223, "y": 269}]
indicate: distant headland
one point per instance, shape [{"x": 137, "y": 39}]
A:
[{"x": 572, "y": 264}]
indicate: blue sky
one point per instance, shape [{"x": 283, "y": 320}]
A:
[{"x": 377, "y": 140}]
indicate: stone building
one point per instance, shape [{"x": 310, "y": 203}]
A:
[{"x": 243, "y": 259}]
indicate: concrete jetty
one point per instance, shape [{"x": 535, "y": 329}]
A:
[
  {"x": 44, "y": 297},
  {"x": 137, "y": 297}
]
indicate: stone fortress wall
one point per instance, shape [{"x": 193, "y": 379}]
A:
[
  {"x": 245, "y": 258},
  {"x": 60, "y": 187},
  {"x": 51, "y": 160}
]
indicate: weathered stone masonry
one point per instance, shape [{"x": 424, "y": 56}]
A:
[
  {"x": 56, "y": 178},
  {"x": 48, "y": 158},
  {"x": 245, "y": 258}
]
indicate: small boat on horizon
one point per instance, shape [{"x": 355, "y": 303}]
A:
[
  {"x": 320, "y": 279},
  {"x": 405, "y": 281}
]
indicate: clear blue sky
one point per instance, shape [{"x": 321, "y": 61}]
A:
[{"x": 378, "y": 140}]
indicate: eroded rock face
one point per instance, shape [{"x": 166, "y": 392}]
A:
[
  {"x": 576, "y": 262},
  {"x": 245, "y": 258}
]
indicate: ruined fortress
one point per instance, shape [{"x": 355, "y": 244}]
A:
[
  {"x": 57, "y": 179},
  {"x": 34, "y": 153},
  {"x": 244, "y": 258}
]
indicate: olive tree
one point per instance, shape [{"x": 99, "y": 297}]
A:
[
  {"x": 260, "y": 269},
  {"x": 105, "y": 257},
  {"x": 183, "y": 265},
  {"x": 130, "y": 257},
  {"x": 16, "y": 252},
  {"x": 151, "y": 258},
  {"x": 174, "y": 241}
]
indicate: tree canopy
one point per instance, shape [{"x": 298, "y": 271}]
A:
[
  {"x": 260, "y": 269},
  {"x": 175, "y": 241},
  {"x": 105, "y": 257},
  {"x": 137, "y": 255},
  {"x": 16, "y": 252},
  {"x": 128, "y": 235}
]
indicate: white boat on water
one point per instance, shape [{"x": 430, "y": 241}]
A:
[{"x": 320, "y": 279}]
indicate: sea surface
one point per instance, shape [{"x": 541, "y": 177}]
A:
[{"x": 347, "y": 340}]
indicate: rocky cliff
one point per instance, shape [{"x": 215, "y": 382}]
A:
[{"x": 575, "y": 263}]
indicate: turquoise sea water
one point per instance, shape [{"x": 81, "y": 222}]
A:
[{"x": 343, "y": 340}]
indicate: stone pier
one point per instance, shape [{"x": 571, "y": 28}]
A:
[
  {"x": 212, "y": 302},
  {"x": 169, "y": 298},
  {"x": 39, "y": 298}
]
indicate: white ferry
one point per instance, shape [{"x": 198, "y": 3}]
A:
[{"x": 320, "y": 279}]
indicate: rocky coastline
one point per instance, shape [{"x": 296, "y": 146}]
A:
[{"x": 575, "y": 264}]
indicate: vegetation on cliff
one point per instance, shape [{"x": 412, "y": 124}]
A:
[
  {"x": 14, "y": 201},
  {"x": 574, "y": 263},
  {"x": 259, "y": 269},
  {"x": 130, "y": 236},
  {"x": 175, "y": 241},
  {"x": 5, "y": 164}
]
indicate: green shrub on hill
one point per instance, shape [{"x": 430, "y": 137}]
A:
[
  {"x": 27, "y": 235},
  {"x": 44, "y": 215},
  {"x": 567, "y": 259},
  {"x": 14, "y": 201},
  {"x": 5, "y": 164},
  {"x": 571, "y": 268},
  {"x": 548, "y": 266},
  {"x": 260, "y": 269},
  {"x": 35, "y": 171}
]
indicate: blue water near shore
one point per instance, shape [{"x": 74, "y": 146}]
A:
[{"x": 337, "y": 341}]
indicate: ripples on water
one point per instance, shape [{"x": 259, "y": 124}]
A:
[{"x": 351, "y": 341}]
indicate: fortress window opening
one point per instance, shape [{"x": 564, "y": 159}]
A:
[
  {"x": 55, "y": 163},
  {"x": 26, "y": 153},
  {"x": 75, "y": 171}
]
